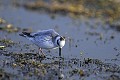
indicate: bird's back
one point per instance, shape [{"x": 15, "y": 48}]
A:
[
  {"x": 45, "y": 38},
  {"x": 49, "y": 32}
]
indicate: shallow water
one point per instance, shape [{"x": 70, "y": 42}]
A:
[{"x": 85, "y": 38}]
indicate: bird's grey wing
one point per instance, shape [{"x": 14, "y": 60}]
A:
[
  {"x": 50, "y": 32},
  {"x": 42, "y": 38}
]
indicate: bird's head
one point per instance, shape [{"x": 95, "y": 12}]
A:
[{"x": 60, "y": 41}]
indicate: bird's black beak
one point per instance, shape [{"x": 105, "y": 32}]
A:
[{"x": 59, "y": 51}]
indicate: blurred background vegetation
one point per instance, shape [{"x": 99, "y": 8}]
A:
[{"x": 109, "y": 10}]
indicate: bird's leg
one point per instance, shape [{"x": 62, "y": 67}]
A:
[
  {"x": 40, "y": 51},
  {"x": 59, "y": 52}
]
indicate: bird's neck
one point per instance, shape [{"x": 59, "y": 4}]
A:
[{"x": 57, "y": 40}]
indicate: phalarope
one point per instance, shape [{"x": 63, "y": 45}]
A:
[{"x": 46, "y": 39}]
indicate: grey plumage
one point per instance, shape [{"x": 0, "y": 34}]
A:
[
  {"x": 43, "y": 39},
  {"x": 46, "y": 39},
  {"x": 49, "y": 32}
]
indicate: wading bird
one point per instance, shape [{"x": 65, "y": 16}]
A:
[{"x": 46, "y": 39}]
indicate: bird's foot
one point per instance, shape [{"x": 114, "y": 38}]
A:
[{"x": 41, "y": 54}]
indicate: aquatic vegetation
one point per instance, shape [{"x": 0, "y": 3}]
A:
[
  {"x": 2, "y": 21},
  {"x": 2, "y": 47},
  {"x": 6, "y": 43},
  {"x": 9, "y": 28},
  {"x": 32, "y": 66},
  {"x": 108, "y": 9}
]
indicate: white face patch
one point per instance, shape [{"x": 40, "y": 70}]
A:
[
  {"x": 62, "y": 43},
  {"x": 59, "y": 43}
]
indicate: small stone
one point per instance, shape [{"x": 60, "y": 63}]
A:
[
  {"x": 9, "y": 26},
  {"x": 81, "y": 72},
  {"x": 14, "y": 65},
  {"x": 61, "y": 76},
  {"x": 2, "y": 21},
  {"x": 1, "y": 47}
]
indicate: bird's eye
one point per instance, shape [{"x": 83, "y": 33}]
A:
[{"x": 61, "y": 38}]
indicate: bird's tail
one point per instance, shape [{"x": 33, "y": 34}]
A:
[{"x": 26, "y": 34}]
